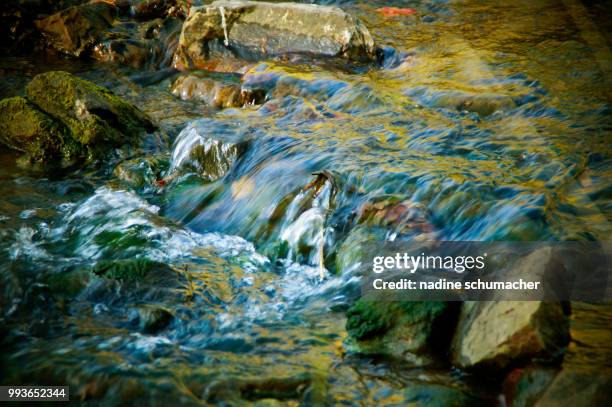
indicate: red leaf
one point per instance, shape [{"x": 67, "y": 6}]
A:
[{"x": 395, "y": 11}]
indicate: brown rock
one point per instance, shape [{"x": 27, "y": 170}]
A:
[
  {"x": 214, "y": 93},
  {"x": 74, "y": 30},
  {"x": 497, "y": 333}
]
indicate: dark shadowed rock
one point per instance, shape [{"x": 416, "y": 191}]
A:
[
  {"x": 150, "y": 45},
  {"x": 576, "y": 388},
  {"x": 96, "y": 117},
  {"x": 75, "y": 30},
  {"x": 249, "y": 31},
  {"x": 437, "y": 395},
  {"x": 524, "y": 386},
  {"x": 399, "y": 329},
  {"x": 148, "y": 9},
  {"x": 24, "y": 127},
  {"x": 497, "y": 333}
]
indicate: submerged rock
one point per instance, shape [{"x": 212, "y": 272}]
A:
[
  {"x": 142, "y": 173},
  {"x": 524, "y": 386},
  {"x": 437, "y": 395},
  {"x": 151, "y": 45},
  {"x": 97, "y": 119},
  {"x": 496, "y": 334},
  {"x": 132, "y": 269},
  {"x": 573, "y": 387},
  {"x": 215, "y": 93},
  {"x": 150, "y": 318},
  {"x": 400, "y": 216},
  {"x": 249, "y": 31},
  {"x": 75, "y": 30},
  {"x": 259, "y": 388},
  {"x": 130, "y": 52},
  {"x": 399, "y": 329},
  {"x": 24, "y": 127},
  {"x": 148, "y": 9}
]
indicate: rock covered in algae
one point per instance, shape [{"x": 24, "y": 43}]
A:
[
  {"x": 399, "y": 329},
  {"x": 26, "y": 128},
  {"x": 249, "y": 30},
  {"x": 96, "y": 118}
]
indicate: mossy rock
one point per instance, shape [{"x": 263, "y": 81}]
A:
[
  {"x": 131, "y": 269},
  {"x": 96, "y": 117},
  {"x": 68, "y": 284},
  {"x": 399, "y": 328},
  {"x": 24, "y": 127}
]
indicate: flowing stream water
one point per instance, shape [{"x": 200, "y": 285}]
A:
[{"x": 491, "y": 118}]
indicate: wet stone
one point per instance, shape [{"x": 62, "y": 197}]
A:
[
  {"x": 129, "y": 52},
  {"x": 26, "y": 128},
  {"x": 495, "y": 334},
  {"x": 96, "y": 117},
  {"x": 522, "y": 387},
  {"x": 207, "y": 154},
  {"x": 75, "y": 30},
  {"x": 142, "y": 173},
  {"x": 215, "y": 93},
  {"x": 250, "y": 31},
  {"x": 399, "y": 329},
  {"x": 574, "y": 387},
  {"x": 150, "y": 318},
  {"x": 148, "y": 9}
]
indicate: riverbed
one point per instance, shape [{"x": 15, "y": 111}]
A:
[{"x": 494, "y": 123}]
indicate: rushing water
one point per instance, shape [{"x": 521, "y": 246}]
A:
[{"x": 491, "y": 120}]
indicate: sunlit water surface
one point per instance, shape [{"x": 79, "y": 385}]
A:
[{"x": 494, "y": 123}]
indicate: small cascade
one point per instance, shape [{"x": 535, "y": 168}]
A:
[
  {"x": 306, "y": 232},
  {"x": 209, "y": 156}
]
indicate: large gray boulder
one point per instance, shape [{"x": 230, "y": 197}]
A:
[{"x": 249, "y": 30}]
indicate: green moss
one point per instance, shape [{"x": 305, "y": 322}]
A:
[
  {"x": 24, "y": 127},
  {"x": 96, "y": 117},
  {"x": 117, "y": 241},
  {"x": 68, "y": 284},
  {"x": 129, "y": 269},
  {"x": 369, "y": 319}
]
